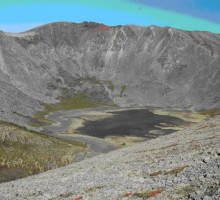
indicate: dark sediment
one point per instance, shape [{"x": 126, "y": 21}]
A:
[{"x": 130, "y": 123}]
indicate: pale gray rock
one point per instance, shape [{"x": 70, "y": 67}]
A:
[
  {"x": 157, "y": 67},
  {"x": 134, "y": 172}
]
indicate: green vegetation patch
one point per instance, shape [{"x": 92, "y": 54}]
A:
[
  {"x": 97, "y": 82},
  {"x": 80, "y": 100},
  {"x": 24, "y": 152},
  {"x": 210, "y": 113},
  {"x": 123, "y": 88},
  {"x": 38, "y": 124},
  {"x": 94, "y": 189},
  {"x": 111, "y": 86},
  {"x": 77, "y": 102}
]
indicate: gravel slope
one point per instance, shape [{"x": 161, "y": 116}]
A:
[{"x": 182, "y": 165}]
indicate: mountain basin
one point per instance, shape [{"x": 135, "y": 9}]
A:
[{"x": 105, "y": 129}]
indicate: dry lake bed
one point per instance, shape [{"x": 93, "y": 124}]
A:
[{"x": 105, "y": 129}]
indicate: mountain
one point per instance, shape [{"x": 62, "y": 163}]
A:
[{"x": 92, "y": 64}]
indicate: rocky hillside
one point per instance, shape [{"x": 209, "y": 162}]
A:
[
  {"x": 89, "y": 64},
  {"x": 24, "y": 153},
  {"x": 182, "y": 165}
]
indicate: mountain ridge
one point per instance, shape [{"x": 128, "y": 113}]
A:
[
  {"x": 123, "y": 65},
  {"x": 91, "y": 23}
]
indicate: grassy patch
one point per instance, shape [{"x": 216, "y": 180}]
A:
[
  {"x": 126, "y": 140},
  {"x": 192, "y": 117},
  {"x": 123, "y": 88},
  {"x": 184, "y": 192},
  {"x": 210, "y": 113},
  {"x": 24, "y": 152},
  {"x": 111, "y": 86},
  {"x": 156, "y": 173},
  {"x": 169, "y": 146},
  {"x": 79, "y": 100},
  {"x": 38, "y": 124},
  {"x": 94, "y": 189},
  {"x": 73, "y": 142},
  {"x": 175, "y": 171},
  {"x": 147, "y": 194}
]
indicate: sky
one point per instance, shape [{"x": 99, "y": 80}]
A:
[{"x": 21, "y": 15}]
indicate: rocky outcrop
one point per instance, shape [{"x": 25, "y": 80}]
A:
[
  {"x": 182, "y": 165},
  {"x": 125, "y": 65}
]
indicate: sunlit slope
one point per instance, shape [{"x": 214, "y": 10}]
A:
[{"x": 67, "y": 66}]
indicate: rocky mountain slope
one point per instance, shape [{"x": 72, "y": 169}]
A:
[
  {"x": 182, "y": 165},
  {"x": 24, "y": 153},
  {"x": 92, "y": 64}
]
